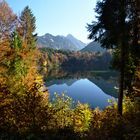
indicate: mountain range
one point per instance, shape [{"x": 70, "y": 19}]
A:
[
  {"x": 68, "y": 42},
  {"x": 60, "y": 42}
]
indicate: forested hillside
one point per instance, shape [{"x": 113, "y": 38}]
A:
[
  {"x": 75, "y": 60},
  {"x": 93, "y": 47}
]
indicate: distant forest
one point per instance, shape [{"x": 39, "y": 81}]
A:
[{"x": 75, "y": 60}]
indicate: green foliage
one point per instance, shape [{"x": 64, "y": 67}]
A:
[
  {"x": 82, "y": 118},
  {"x": 129, "y": 105},
  {"x": 131, "y": 118},
  {"x": 115, "y": 62},
  {"x": 62, "y": 120},
  {"x": 111, "y": 125},
  {"x": 16, "y": 41},
  {"x": 17, "y": 66},
  {"x": 62, "y": 112},
  {"x": 106, "y": 123},
  {"x": 66, "y": 115},
  {"x": 27, "y": 27}
]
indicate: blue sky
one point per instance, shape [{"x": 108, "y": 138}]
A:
[{"x": 59, "y": 17}]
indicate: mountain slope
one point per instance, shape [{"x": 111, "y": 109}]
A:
[
  {"x": 79, "y": 44},
  {"x": 93, "y": 47}
]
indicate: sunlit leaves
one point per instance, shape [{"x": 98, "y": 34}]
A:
[{"x": 82, "y": 118}]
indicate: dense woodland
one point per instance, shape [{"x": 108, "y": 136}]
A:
[
  {"x": 26, "y": 112},
  {"x": 75, "y": 60}
]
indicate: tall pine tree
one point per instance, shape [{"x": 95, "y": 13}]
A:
[
  {"x": 27, "y": 27},
  {"x": 112, "y": 30}
]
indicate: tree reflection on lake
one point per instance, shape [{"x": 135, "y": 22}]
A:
[{"x": 92, "y": 87}]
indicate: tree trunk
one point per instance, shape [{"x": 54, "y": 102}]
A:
[
  {"x": 121, "y": 86},
  {"x": 123, "y": 48}
]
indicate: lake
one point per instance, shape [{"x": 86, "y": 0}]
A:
[{"x": 92, "y": 87}]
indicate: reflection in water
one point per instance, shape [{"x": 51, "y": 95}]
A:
[{"x": 94, "y": 88}]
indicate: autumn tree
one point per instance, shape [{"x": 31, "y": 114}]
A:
[
  {"x": 21, "y": 94},
  {"x": 7, "y": 20}
]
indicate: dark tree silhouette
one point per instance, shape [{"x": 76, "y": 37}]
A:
[{"x": 112, "y": 30}]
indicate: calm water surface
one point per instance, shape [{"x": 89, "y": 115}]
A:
[{"x": 94, "y": 88}]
